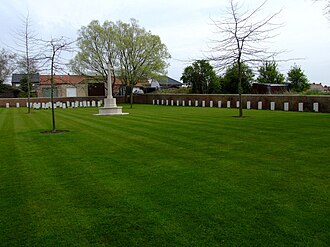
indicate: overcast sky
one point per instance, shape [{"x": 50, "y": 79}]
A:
[{"x": 185, "y": 26}]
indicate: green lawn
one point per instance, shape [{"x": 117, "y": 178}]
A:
[{"x": 164, "y": 176}]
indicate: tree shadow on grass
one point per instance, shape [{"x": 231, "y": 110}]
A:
[{"x": 54, "y": 131}]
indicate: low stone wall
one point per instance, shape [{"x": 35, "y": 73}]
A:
[
  {"x": 255, "y": 101},
  {"x": 309, "y": 103},
  {"x": 11, "y": 102}
]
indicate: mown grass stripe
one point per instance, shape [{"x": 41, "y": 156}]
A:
[{"x": 165, "y": 176}]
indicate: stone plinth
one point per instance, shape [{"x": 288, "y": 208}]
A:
[
  {"x": 110, "y": 111},
  {"x": 110, "y": 108}
]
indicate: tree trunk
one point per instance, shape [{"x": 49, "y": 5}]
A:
[
  {"x": 27, "y": 63},
  {"x": 131, "y": 98},
  {"x": 240, "y": 89},
  {"x": 29, "y": 91},
  {"x": 52, "y": 94}
]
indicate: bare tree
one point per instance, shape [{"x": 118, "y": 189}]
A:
[
  {"x": 22, "y": 65},
  {"x": 53, "y": 57},
  {"x": 6, "y": 64},
  {"x": 326, "y": 7},
  {"x": 28, "y": 49},
  {"x": 243, "y": 39}
]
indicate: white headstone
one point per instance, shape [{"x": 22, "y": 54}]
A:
[
  {"x": 237, "y": 104},
  {"x": 203, "y": 103},
  {"x": 68, "y": 103},
  {"x": 153, "y": 101},
  {"x": 272, "y": 106},
  {"x": 211, "y": 103},
  {"x": 93, "y": 103},
  {"x": 167, "y": 102},
  {"x": 228, "y": 104},
  {"x": 248, "y": 105},
  {"x": 219, "y": 104},
  {"x": 286, "y": 106},
  {"x": 162, "y": 102},
  {"x": 316, "y": 107},
  {"x": 260, "y": 105},
  {"x": 99, "y": 103},
  {"x": 300, "y": 106},
  {"x": 27, "y": 104},
  {"x": 7, "y": 105},
  {"x": 183, "y": 103},
  {"x": 172, "y": 102},
  {"x": 88, "y": 104},
  {"x": 64, "y": 105},
  {"x": 196, "y": 102},
  {"x": 58, "y": 104},
  {"x": 17, "y": 105},
  {"x": 43, "y": 105},
  {"x": 177, "y": 102},
  {"x": 158, "y": 102},
  {"x": 81, "y": 104},
  {"x": 189, "y": 102}
]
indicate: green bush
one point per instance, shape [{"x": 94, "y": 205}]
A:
[{"x": 181, "y": 90}]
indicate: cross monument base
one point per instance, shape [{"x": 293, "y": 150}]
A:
[{"x": 110, "y": 108}]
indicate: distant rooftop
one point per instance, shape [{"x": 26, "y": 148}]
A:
[
  {"x": 16, "y": 78},
  {"x": 168, "y": 81}
]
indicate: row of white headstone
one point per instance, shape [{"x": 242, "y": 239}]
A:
[
  {"x": 63, "y": 105},
  {"x": 228, "y": 104}
]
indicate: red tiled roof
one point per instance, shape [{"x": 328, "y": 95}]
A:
[
  {"x": 62, "y": 79},
  {"x": 75, "y": 79}
]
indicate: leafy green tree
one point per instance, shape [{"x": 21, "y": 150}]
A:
[
  {"x": 141, "y": 55},
  {"x": 201, "y": 77},
  {"x": 269, "y": 73},
  {"x": 134, "y": 54},
  {"x": 231, "y": 79},
  {"x": 97, "y": 48},
  {"x": 215, "y": 86},
  {"x": 298, "y": 80}
]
